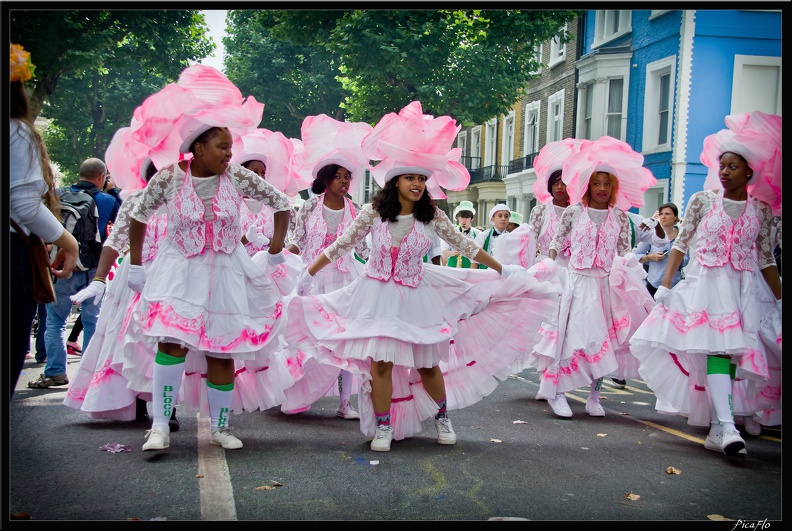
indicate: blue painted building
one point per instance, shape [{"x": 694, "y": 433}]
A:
[{"x": 662, "y": 80}]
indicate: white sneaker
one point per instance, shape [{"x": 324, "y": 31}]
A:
[
  {"x": 157, "y": 439},
  {"x": 729, "y": 443},
  {"x": 560, "y": 406},
  {"x": 382, "y": 439},
  {"x": 752, "y": 427},
  {"x": 346, "y": 411},
  {"x": 594, "y": 408},
  {"x": 224, "y": 438},
  {"x": 445, "y": 433}
]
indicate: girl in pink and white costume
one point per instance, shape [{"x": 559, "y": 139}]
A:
[
  {"x": 604, "y": 298},
  {"x": 332, "y": 159},
  {"x": 392, "y": 326},
  {"x": 710, "y": 320},
  {"x": 204, "y": 295}
]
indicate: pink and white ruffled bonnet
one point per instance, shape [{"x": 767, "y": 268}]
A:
[
  {"x": 413, "y": 142},
  {"x": 551, "y": 159},
  {"x": 610, "y": 155},
  {"x": 755, "y": 136},
  {"x": 275, "y": 151}
]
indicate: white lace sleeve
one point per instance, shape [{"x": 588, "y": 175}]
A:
[
  {"x": 353, "y": 235},
  {"x": 535, "y": 221},
  {"x": 764, "y": 242},
  {"x": 156, "y": 193},
  {"x": 119, "y": 236},
  {"x": 446, "y": 230},
  {"x": 623, "y": 246},
  {"x": 250, "y": 184},
  {"x": 697, "y": 207},
  {"x": 565, "y": 227},
  {"x": 298, "y": 238}
]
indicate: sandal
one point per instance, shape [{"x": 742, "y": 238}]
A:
[{"x": 45, "y": 382}]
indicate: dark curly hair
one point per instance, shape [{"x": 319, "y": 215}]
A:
[
  {"x": 325, "y": 176},
  {"x": 386, "y": 203},
  {"x": 206, "y": 136}
]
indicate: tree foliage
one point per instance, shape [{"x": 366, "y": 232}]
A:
[
  {"x": 94, "y": 67},
  {"x": 470, "y": 64}
]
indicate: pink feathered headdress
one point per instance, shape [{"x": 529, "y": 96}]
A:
[
  {"x": 275, "y": 151},
  {"x": 329, "y": 141},
  {"x": 613, "y": 156},
  {"x": 124, "y": 159},
  {"x": 755, "y": 136},
  {"x": 550, "y": 159},
  {"x": 413, "y": 142}
]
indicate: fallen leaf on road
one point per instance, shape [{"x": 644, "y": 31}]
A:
[
  {"x": 496, "y": 440},
  {"x": 672, "y": 470},
  {"x": 631, "y": 496},
  {"x": 265, "y": 487},
  {"x": 519, "y": 422},
  {"x": 199, "y": 476},
  {"x": 602, "y": 435}
]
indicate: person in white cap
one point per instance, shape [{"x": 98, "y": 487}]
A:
[
  {"x": 464, "y": 214},
  {"x": 332, "y": 160},
  {"x": 203, "y": 297},
  {"x": 393, "y": 325},
  {"x": 710, "y": 327},
  {"x": 515, "y": 220},
  {"x": 499, "y": 217}
]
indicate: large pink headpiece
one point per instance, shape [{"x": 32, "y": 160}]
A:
[
  {"x": 125, "y": 158},
  {"x": 413, "y": 142},
  {"x": 329, "y": 141},
  {"x": 550, "y": 159},
  {"x": 275, "y": 151},
  {"x": 613, "y": 156},
  {"x": 756, "y": 137}
]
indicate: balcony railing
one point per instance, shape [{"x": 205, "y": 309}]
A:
[{"x": 496, "y": 172}]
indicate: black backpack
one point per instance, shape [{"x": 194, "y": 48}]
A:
[{"x": 80, "y": 216}]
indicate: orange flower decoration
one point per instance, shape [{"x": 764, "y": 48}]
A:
[{"x": 21, "y": 67}]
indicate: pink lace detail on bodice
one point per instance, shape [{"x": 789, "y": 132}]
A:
[
  {"x": 549, "y": 226},
  {"x": 226, "y": 227},
  {"x": 723, "y": 239},
  {"x": 156, "y": 230},
  {"x": 592, "y": 247},
  {"x": 317, "y": 237},
  {"x": 405, "y": 262}
]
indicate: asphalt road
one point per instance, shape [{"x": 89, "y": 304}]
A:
[{"x": 514, "y": 460}]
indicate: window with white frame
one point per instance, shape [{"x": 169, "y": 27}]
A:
[
  {"x": 507, "y": 149},
  {"x": 462, "y": 142},
  {"x": 611, "y": 24},
  {"x": 538, "y": 58},
  {"x": 531, "y": 128},
  {"x": 756, "y": 84},
  {"x": 555, "y": 117},
  {"x": 615, "y": 112},
  {"x": 587, "y": 95},
  {"x": 658, "y": 104},
  {"x": 491, "y": 139},
  {"x": 475, "y": 147},
  {"x": 557, "y": 50}
]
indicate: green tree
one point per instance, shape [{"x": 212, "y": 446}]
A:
[
  {"x": 469, "y": 64},
  {"x": 94, "y": 67},
  {"x": 292, "y": 79}
]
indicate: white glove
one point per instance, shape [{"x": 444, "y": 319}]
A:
[
  {"x": 508, "y": 269},
  {"x": 662, "y": 295},
  {"x": 650, "y": 223},
  {"x": 137, "y": 278},
  {"x": 304, "y": 283},
  {"x": 95, "y": 289},
  {"x": 255, "y": 235},
  {"x": 275, "y": 259}
]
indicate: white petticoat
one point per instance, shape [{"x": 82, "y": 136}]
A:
[{"x": 490, "y": 320}]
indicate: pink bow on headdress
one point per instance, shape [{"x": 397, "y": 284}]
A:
[
  {"x": 613, "y": 156},
  {"x": 756, "y": 136},
  {"x": 329, "y": 141},
  {"x": 275, "y": 151},
  {"x": 550, "y": 159},
  {"x": 412, "y": 142}
]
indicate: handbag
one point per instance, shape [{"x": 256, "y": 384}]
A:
[{"x": 43, "y": 288}]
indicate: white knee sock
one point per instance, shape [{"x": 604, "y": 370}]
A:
[
  {"x": 345, "y": 385},
  {"x": 720, "y": 390},
  {"x": 167, "y": 380},
  {"x": 595, "y": 387},
  {"x": 219, "y": 405}
]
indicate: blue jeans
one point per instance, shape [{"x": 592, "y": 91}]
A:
[{"x": 58, "y": 311}]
